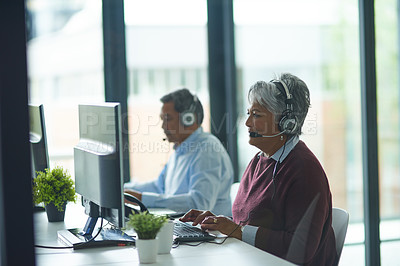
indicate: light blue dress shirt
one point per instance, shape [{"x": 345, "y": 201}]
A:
[{"x": 198, "y": 175}]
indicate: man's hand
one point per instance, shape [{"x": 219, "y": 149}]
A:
[{"x": 134, "y": 193}]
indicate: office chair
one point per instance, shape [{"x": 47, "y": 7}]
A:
[{"x": 340, "y": 221}]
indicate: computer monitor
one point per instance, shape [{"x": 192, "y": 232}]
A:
[
  {"x": 99, "y": 175},
  {"x": 98, "y": 162},
  {"x": 38, "y": 143},
  {"x": 38, "y": 139}
]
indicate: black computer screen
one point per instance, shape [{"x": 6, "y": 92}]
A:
[
  {"x": 98, "y": 162},
  {"x": 38, "y": 139}
]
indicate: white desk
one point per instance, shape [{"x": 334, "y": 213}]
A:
[{"x": 232, "y": 252}]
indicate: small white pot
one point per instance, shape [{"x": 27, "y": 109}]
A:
[
  {"x": 166, "y": 237},
  {"x": 147, "y": 250}
]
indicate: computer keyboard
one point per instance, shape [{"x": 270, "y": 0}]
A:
[{"x": 184, "y": 232}]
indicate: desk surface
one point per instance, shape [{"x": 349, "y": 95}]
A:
[{"x": 232, "y": 252}]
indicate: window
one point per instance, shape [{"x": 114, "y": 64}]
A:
[
  {"x": 65, "y": 67},
  {"x": 166, "y": 50},
  {"x": 387, "y": 68},
  {"x": 318, "y": 42}
]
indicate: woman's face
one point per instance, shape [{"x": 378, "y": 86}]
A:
[{"x": 260, "y": 121}]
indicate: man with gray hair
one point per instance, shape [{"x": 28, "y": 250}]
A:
[{"x": 199, "y": 173}]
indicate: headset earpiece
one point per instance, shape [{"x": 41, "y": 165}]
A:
[
  {"x": 288, "y": 122},
  {"x": 188, "y": 117}
]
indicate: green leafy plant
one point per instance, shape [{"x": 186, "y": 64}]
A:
[
  {"x": 146, "y": 225},
  {"x": 55, "y": 186}
]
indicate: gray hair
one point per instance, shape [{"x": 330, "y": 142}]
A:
[
  {"x": 183, "y": 100},
  {"x": 268, "y": 95}
]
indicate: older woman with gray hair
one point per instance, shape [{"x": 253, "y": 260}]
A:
[{"x": 284, "y": 203}]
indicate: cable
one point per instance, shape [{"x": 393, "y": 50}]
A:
[
  {"x": 175, "y": 244},
  {"x": 274, "y": 172},
  {"x": 78, "y": 245},
  {"x": 223, "y": 241},
  {"x": 54, "y": 247},
  {"x": 93, "y": 238},
  {"x": 248, "y": 217},
  {"x": 214, "y": 242}
]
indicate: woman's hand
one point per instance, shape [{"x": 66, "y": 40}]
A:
[
  {"x": 195, "y": 216},
  {"x": 209, "y": 221},
  {"x": 222, "y": 224}
]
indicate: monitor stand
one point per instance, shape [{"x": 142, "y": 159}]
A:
[
  {"x": 107, "y": 237},
  {"x": 78, "y": 238}
]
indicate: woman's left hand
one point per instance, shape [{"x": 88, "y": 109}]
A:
[{"x": 222, "y": 224}]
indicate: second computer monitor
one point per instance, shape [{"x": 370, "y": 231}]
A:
[
  {"x": 98, "y": 162},
  {"x": 37, "y": 139}
]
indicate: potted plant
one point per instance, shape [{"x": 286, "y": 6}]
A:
[
  {"x": 55, "y": 189},
  {"x": 146, "y": 226}
]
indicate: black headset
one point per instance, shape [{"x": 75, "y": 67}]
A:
[
  {"x": 133, "y": 199},
  {"x": 288, "y": 122},
  {"x": 188, "y": 117}
]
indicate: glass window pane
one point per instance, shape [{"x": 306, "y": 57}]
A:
[
  {"x": 65, "y": 67},
  {"x": 387, "y": 61},
  {"x": 166, "y": 49},
  {"x": 317, "y": 41}
]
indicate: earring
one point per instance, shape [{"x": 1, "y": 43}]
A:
[{"x": 281, "y": 137}]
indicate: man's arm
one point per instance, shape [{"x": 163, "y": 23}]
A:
[
  {"x": 155, "y": 186},
  {"x": 208, "y": 173}
]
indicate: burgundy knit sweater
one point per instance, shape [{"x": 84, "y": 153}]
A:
[{"x": 301, "y": 193}]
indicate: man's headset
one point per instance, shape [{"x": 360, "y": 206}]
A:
[
  {"x": 288, "y": 122},
  {"x": 188, "y": 117}
]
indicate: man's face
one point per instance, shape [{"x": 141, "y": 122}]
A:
[{"x": 171, "y": 124}]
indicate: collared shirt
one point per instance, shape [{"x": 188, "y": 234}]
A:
[
  {"x": 249, "y": 232},
  {"x": 288, "y": 205},
  {"x": 198, "y": 175},
  {"x": 283, "y": 152}
]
